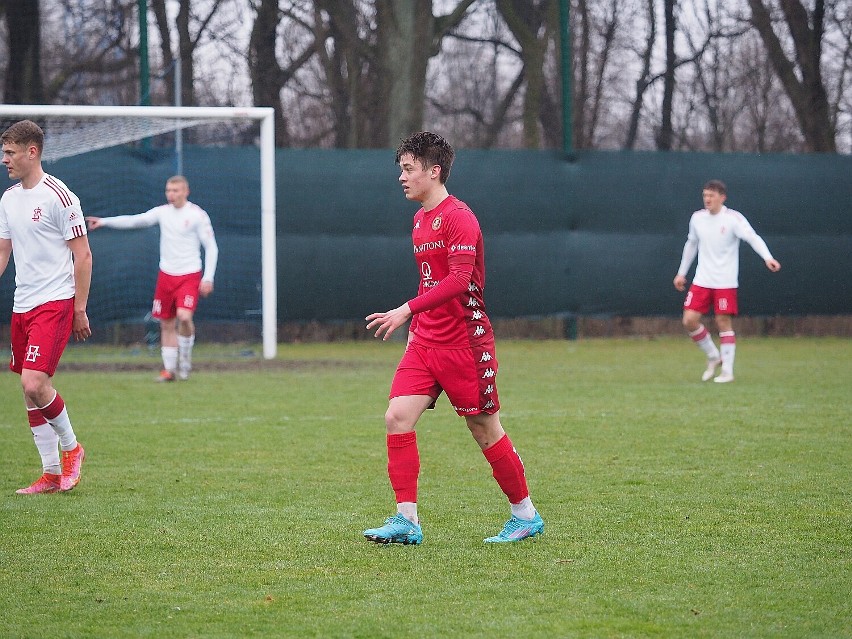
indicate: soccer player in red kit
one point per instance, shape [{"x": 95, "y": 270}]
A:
[
  {"x": 42, "y": 224},
  {"x": 450, "y": 347},
  {"x": 714, "y": 235}
]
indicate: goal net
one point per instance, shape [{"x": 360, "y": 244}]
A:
[{"x": 117, "y": 160}]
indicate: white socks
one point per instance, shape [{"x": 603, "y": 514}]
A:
[
  {"x": 523, "y": 509},
  {"x": 703, "y": 340},
  {"x": 408, "y": 509},
  {"x": 47, "y": 443},
  {"x": 729, "y": 351},
  {"x": 185, "y": 345},
  {"x": 170, "y": 357}
]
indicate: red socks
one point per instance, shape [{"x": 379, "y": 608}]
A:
[
  {"x": 403, "y": 466},
  {"x": 508, "y": 469}
]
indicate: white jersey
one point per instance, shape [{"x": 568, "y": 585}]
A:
[
  {"x": 183, "y": 231},
  {"x": 39, "y": 222},
  {"x": 715, "y": 238}
]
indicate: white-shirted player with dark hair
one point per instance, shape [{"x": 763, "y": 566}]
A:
[
  {"x": 714, "y": 236},
  {"x": 184, "y": 228},
  {"x": 41, "y": 223}
]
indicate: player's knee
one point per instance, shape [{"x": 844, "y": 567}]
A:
[
  {"x": 34, "y": 387},
  {"x": 397, "y": 421}
]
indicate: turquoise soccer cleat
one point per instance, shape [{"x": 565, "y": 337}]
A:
[
  {"x": 517, "y": 529},
  {"x": 397, "y": 530}
]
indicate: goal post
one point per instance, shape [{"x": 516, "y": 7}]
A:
[{"x": 98, "y": 127}]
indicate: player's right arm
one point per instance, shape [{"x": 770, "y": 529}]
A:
[
  {"x": 138, "y": 221},
  {"x": 5, "y": 253},
  {"x": 690, "y": 250}
]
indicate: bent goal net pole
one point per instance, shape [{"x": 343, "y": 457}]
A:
[{"x": 89, "y": 128}]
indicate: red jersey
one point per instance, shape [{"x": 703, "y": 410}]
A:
[{"x": 457, "y": 319}]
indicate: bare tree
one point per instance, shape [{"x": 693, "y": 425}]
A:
[
  {"x": 802, "y": 76},
  {"x": 532, "y": 25},
  {"x": 190, "y": 28}
]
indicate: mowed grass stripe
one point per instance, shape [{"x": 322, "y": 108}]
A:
[{"x": 232, "y": 505}]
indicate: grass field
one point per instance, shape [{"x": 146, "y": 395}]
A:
[{"x": 232, "y": 505}]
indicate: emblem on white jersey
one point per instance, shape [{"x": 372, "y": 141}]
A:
[
  {"x": 486, "y": 357},
  {"x": 73, "y": 215},
  {"x": 489, "y": 372},
  {"x": 36, "y": 214},
  {"x": 436, "y": 223},
  {"x": 32, "y": 352}
]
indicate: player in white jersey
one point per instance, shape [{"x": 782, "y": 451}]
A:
[
  {"x": 41, "y": 223},
  {"x": 184, "y": 228},
  {"x": 714, "y": 236}
]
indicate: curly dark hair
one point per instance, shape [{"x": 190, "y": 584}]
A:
[{"x": 430, "y": 149}]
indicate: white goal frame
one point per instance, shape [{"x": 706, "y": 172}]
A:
[{"x": 265, "y": 115}]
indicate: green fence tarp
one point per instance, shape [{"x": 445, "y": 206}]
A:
[{"x": 601, "y": 234}]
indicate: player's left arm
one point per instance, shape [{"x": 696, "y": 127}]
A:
[
  {"x": 746, "y": 232},
  {"x": 82, "y": 283},
  {"x": 211, "y": 255}
]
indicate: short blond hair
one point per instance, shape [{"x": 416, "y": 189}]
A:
[{"x": 178, "y": 179}]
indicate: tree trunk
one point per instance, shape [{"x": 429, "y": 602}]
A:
[
  {"x": 23, "y": 71},
  {"x": 644, "y": 80},
  {"x": 264, "y": 69},
  {"x": 405, "y": 29},
  {"x": 160, "y": 15},
  {"x": 666, "y": 134}
]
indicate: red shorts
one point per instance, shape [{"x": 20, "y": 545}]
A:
[
  {"x": 174, "y": 292},
  {"x": 467, "y": 376},
  {"x": 40, "y": 335},
  {"x": 722, "y": 300}
]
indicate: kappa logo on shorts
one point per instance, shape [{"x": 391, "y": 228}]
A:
[
  {"x": 480, "y": 330},
  {"x": 489, "y": 372},
  {"x": 486, "y": 357},
  {"x": 32, "y": 352}
]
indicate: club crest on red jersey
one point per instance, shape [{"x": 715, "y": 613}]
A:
[{"x": 436, "y": 223}]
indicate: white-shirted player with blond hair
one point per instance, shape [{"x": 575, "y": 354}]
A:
[{"x": 184, "y": 228}]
